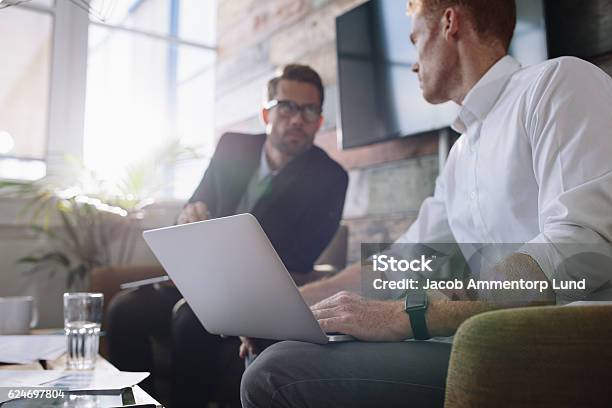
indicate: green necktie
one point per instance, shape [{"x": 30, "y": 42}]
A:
[{"x": 256, "y": 189}]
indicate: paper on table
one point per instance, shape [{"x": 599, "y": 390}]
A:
[
  {"x": 70, "y": 380},
  {"x": 27, "y": 378},
  {"x": 95, "y": 380},
  {"x": 24, "y": 378},
  {"x": 30, "y": 348}
]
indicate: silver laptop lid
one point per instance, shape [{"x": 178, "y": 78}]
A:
[{"x": 233, "y": 279}]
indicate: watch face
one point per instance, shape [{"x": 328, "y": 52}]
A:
[{"x": 416, "y": 300}]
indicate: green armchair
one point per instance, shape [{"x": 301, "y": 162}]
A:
[{"x": 533, "y": 357}]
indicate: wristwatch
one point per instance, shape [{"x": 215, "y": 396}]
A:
[{"x": 415, "y": 306}]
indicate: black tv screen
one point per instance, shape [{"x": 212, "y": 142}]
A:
[
  {"x": 579, "y": 28},
  {"x": 380, "y": 97}
]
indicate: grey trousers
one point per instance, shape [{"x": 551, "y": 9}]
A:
[{"x": 351, "y": 374}]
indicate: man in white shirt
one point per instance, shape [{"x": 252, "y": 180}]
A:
[{"x": 533, "y": 166}]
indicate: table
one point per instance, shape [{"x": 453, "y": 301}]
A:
[{"x": 140, "y": 396}]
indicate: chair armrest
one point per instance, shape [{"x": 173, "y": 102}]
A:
[
  {"x": 108, "y": 279},
  {"x": 335, "y": 252},
  {"x": 540, "y": 356}
]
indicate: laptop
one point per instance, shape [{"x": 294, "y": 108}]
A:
[{"x": 230, "y": 274}]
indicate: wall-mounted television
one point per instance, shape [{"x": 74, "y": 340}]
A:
[
  {"x": 579, "y": 28},
  {"x": 379, "y": 96}
]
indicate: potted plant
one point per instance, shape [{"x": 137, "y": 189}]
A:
[
  {"x": 92, "y": 223},
  {"x": 80, "y": 229}
]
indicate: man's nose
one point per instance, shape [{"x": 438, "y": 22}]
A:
[
  {"x": 297, "y": 118},
  {"x": 415, "y": 67}
]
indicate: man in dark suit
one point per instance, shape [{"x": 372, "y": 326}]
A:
[{"x": 297, "y": 194}]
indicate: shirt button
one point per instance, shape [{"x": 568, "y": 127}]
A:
[{"x": 473, "y": 195}]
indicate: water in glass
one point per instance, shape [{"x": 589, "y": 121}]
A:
[{"x": 82, "y": 320}]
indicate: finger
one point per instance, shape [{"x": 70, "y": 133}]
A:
[
  {"x": 185, "y": 216},
  {"x": 242, "y": 352},
  {"x": 328, "y": 313},
  {"x": 335, "y": 324},
  {"x": 201, "y": 210},
  {"x": 324, "y": 306},
  {"x": 187, "y": 220},
  {"x": 191, "y": 212},
  {"x": 335, "y": 300},
  {"x": 251, "y": 347},
  {"x": 327, "y": 303},
  {"x": 182, "y": 218}
]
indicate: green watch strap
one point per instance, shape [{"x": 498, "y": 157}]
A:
[
  {"x": 418, "y": 324},
  {"x": 415, "y": 306}
]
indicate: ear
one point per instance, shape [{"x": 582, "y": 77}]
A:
[
  {"x": 450, "y": 23},
  {"x": 321, "y": 120},
  {"x": 265, "y": 116}
]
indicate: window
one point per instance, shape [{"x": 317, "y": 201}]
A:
[
  {"x": 25, "y": 41},
  {"x": 111, "y": 88},
  {"x": 150, "y": 82}
]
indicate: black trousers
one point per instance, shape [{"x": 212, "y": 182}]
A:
[
  {"x": 132, "y": 319},
  {"x": 352, "y": 374},
  {"x": 205, "y": 367}
]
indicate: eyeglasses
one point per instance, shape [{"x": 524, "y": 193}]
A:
[{"x": 310, "y": 113}]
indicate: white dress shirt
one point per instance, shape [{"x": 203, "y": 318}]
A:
[{"x": 533, "y": 164}]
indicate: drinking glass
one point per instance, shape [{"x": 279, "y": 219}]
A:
[{"x": 82, "y": 321}]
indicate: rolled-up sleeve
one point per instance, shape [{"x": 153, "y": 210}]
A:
[{"x": 570, "y": 131}]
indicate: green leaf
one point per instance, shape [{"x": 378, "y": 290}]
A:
[
  {"x": 40, "y": 195},
  {"x": 12, "y": 187},
  {"x": 46, "y": 265},
  {"x": 72, "y": 234},
  {"x": 28, "y": 259},
  {"x": 56, "y": 257},
  {"x": 52, "y": 235},
  {"x": 43, "y": 205}
]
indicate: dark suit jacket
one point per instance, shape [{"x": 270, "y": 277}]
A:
[{"x": 302, "y": 209}]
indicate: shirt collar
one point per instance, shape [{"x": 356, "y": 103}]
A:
[
  {"x": 481, "y": 98},
  {"x": 264, "y": 166}
]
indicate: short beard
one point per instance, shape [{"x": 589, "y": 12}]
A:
[{"x": 291, "y": 150}]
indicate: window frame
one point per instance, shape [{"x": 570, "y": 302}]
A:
[{"x": 68, "y": 78}]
